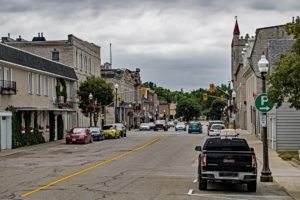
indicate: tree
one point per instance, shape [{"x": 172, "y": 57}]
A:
[
  {"x": 188, "y": 108},
  {"x": 215, "y": 109},
  {"x": 284, "y": 81},
  {"x": 102, "y": 95}
]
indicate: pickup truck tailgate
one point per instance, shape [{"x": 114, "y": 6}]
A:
[{"x": 229, "y": 161}]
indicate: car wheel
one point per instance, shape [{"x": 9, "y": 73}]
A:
[
  {"x": 175, "y": 129},
  {"x": 251, "y": 187},
  {"x": 125, "y": 135},
  {"x": 189, "y": 131},
  {"x": 202, "y": 184}
]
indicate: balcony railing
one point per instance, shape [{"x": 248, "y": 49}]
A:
[
  {"x": 60, "y": 103},
  {"x": 8, "y": 87}
]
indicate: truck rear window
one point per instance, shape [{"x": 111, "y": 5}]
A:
[{"x": 232, "y": 144}]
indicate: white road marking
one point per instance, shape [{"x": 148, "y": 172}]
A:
[
  {"x": 195, "y": 181},
  {"x": 190, "y": 192}
]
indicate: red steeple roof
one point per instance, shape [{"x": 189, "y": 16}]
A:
[{"x": 236, "y": 30}]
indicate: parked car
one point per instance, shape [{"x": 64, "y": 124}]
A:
[
  {"x": 79, "y": 135},
  {"x": 195, "y": 127},
  {"x": 97, "y": 133},
  {"x": 144, "y": 127},
  {"x": 180, "y": 126},
  {"x": 111, "y": 131},
  {"x": 122, "y": 129},
  {"x": 161, "y": 125},
  {"x": 152, "y": 125},
  {"x": 215, "y": 129},
  {"x": 228, "y": 160},
  {"x": 210, "y": 123}
]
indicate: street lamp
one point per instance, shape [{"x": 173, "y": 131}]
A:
[
  {"x": 233, "y": 94},
  {"x": 91, "y": 106},
  {"x": 116, "y": 102},
  {"x": 266, "y": 175}
]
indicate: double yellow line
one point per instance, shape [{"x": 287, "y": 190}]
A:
[{"x": 92, "y": 167}]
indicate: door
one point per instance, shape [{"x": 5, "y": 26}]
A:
[{"x": 3, "y": 129}]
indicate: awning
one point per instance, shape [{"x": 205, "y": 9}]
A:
[{"x": 44, "y": 109}]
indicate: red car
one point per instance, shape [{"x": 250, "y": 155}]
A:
[{"x": 79, "y": 135}]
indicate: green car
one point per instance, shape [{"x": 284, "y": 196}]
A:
[{"x": 195, "y": 127}]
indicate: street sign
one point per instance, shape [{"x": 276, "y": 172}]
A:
[
  {"x": 205, "y": 97},
  {"x": 262, "y": 103},
  {"x": 263, "y": 120}
]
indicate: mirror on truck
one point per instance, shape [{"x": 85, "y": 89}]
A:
[
  {"x": 198, "y": 148},
  {"x": 251, "y": 149}
]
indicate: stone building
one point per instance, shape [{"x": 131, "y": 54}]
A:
[
  {"x": 81, "y": 55},
  {"x": 283, "y": 123},
  {"x": 29, "y": 83},
  {"x": 128, "y": 95}
]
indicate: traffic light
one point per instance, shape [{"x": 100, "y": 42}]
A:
[
  {"x": 119, "y": 98},
  {"x": 205, "y": 96},
  {"x": 222, "y": 98},
  {"x": 212, "y": 88},
  {"x": 143, "y": 91}
]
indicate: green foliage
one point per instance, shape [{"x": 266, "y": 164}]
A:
[
  {"x": 61, "y": 88},
  {"x": 289, "y": 155},
  {"x": 22, "y": 139},
  {"x": 215, "y": 110},
  {"x": 60, "y": 127},
  {"x": 102, "y": 94},
  {"x": 284, "y": 81},
  {"x": 188, "y": 108}
]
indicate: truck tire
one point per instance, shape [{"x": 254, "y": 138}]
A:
[
  {"x": 202, "y": 184},
  {"x": 251, "y": 186}
]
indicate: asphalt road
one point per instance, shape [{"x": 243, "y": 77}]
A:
[{"x": 145, "y": 165}]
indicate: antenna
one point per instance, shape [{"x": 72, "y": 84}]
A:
[{"x": 110, "y": 55}]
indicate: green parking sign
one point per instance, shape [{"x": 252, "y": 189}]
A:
[{"x": 262, "y": 103}]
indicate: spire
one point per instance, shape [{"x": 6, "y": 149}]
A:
[{"x": 236, "y": 30}]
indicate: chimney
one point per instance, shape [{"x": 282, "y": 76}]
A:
[
  {"x": 293, "y": 21},
  {"x": 39, "y": 35},
  {"x": 8, "y": 35},
  {"x": 20, "y": 37}
]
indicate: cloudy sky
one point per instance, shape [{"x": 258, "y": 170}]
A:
[{"x": 176, "y": 43}]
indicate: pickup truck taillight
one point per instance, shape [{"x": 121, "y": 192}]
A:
[
  {"x": 203, "y": 160},
  {"x": 254, "y": 161}
]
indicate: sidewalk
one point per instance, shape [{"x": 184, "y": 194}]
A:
[{"x": 283, "y": 172}]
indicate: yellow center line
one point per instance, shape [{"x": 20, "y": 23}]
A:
[{"x": 92, "y": 167}]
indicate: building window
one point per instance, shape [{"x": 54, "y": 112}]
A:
[
  {"x": 81, "y": 62},
  {"x": 46, "y": 85},
  {"x": 90, "y": 65},
  {"x": 29, "y": 84},
  {"x": 85, "y": 63},
  {"x": 39, "y": 84},
  {"x": 53, "y": 87},
  {"x": 55, "y": 55},
  {"x": 76, "y": 60}
]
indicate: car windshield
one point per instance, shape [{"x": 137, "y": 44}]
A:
[
  {"x": 217, "y": 126},
  {"x": 144, "y": 124},
  {"x": 79, "y": 130},
  {"x": 108, "y": 127},
  {"x": 194, "y": 125},
  {"x": 226, "y": 144},
  {"x": 180, "y": 123},
  {"x": 94, "y": 129}
]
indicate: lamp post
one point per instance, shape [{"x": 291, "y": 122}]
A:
[
  {"x": 91, "y": 99},
  {"x": 266, "y": 175},
  {"x": 233, "y": 94},
  {"x": 116, "y": 104}
]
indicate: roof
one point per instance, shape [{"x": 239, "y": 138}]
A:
[
  {"x": 236, "y": 30},
  {"x": 21, "y": 57}
]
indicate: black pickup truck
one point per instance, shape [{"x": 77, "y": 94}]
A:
[{"x": 227, "y": 159}]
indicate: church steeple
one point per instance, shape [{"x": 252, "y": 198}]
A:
[{"x": 236, "y": 30}]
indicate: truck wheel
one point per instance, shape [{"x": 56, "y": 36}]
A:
[
  {"x": 251, "y": 187},
  {"x": 202, "y": 184}
]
